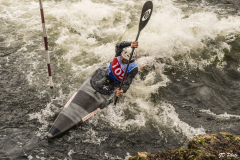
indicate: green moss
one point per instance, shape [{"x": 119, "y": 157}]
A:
[
  {"x": 232, "y": 138},
  {"x": 137, "y": 158},
  {"x": 191, "y": 156},
  {"x": 202, "y": 141},
  {"x": 199, "y": 151}
]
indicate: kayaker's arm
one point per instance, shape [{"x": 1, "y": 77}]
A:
[
  {"x": 119, "y": 92},
  {"x": 120, "y": 46},
  {"x": 127, "y": 83},
  {"x": 131, "y": 74}
]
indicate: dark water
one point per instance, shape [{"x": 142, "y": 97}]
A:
[{"x": 201, "y": 94}]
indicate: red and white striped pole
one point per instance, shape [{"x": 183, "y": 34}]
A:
[{"x": 46, "y": 44}]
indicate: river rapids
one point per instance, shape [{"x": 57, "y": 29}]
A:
[{"x": 190, "y": 84}]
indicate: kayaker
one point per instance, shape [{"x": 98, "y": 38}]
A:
[
  {"x": 119, "y": 64},
  {"x": 106, "y": 82}
]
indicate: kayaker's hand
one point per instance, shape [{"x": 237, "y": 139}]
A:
[
  {"x": 119, "y": 92},
  {"x": 134, "y": 44}
]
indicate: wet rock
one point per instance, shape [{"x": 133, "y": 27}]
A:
[
  {"x": 221, "y": 145},
  {"x": 140, "y": 156}
]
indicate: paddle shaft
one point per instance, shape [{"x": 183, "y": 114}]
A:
[
  {"x": 126, "y": 68},
  {"x": 144, "y": 18}
]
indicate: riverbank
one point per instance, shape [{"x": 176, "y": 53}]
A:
[{"x": 221, "y": 145}]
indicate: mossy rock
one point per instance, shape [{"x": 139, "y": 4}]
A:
[
  {"x": 183, "y": 154},
  {"x": 202, "y": 141},
  {"x": 201, "y": 147}
]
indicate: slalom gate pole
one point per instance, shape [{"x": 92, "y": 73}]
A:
[{"x": 46, "y": 44}]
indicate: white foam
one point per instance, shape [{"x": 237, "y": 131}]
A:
[
  {"x": 70, "y": 153},
  {"x": 167, "y": 34},
  {"x": 163, "y": 115},
  {"x": 224, "y": 116},
  {"x": 169, "y": 118},
  {"x": 110, "y": 156},
  {"x": 86, "y": 30},
  {"x": 128, "y": 156},
  {"x": 91, "y": 136},
  {"x": 47, "y": 112},
  {"x": 30, "y": 157}
]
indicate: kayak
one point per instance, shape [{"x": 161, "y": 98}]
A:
[
  {"x": 95, "y": 93},
  {"x": 85, "y": 103}
]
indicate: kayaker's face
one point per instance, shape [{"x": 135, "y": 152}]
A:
[{"x": 123, "y": 60}]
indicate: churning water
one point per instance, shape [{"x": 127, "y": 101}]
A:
[{"x": 191, "y": 84}]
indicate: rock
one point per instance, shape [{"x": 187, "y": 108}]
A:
[
  {"x": 140, "y": 156},
  {"x": 202, "y": 147},
  {"x": 204, "y": 141}
]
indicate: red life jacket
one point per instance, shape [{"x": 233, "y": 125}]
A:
[{"x": 117, "y": 68}]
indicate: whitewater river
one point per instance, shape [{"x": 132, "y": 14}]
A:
[{"x": 190, "y": 86}]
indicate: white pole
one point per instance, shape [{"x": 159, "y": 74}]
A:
[{"x": 46, "y": 44}]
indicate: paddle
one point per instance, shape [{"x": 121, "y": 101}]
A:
[{"x": 145, "y": 16}]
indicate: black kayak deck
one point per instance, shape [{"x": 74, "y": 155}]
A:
[{"x": 82, "y": 105}]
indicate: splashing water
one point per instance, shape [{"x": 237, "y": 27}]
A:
[{"x": 189, "y": 85}]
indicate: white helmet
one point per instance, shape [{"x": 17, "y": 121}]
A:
[{"x": 127, "y": 52}]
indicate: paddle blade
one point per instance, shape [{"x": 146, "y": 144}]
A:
[{"x": 146, "y": 14}]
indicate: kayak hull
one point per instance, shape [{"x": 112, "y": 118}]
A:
[{"x": 82, "y": 105}]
